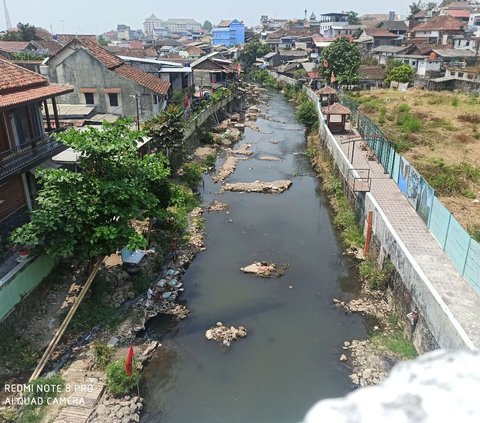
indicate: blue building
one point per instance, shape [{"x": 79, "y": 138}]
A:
[{"x": 228, "y": 33}]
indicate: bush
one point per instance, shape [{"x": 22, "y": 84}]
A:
[
  {"x": 118, "y": 381},
  {"x": 408, "y": 123},
  {"x": 306, "y": 113},
  {"x": 182, "y": 197},
  {"x": 192, "y": 174},
  {"x": 102, "y": 353},
  {"x": 403, "y": 108},
  {"x": 375, "y": 277}
]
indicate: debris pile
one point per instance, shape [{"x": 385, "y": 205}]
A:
[
  {"x": 243, "y": 150},
  {"x": 225, "y": 334},
  {"x": 270, "y": 158},
  {"x": 264, "y": 269},
  {"x": 257, "y": 186},
  {"x": 218, "y": 206}
]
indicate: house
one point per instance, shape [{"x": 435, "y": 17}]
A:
[
  {"x": 440, "y": 29},
  {"x": 272, "y": 59},
  {"x": 385, "y": 53},
  {"x": 371, "y": 38},
  {"x": 327, "y": 20},
  {"x": 370, "y": 77},
  {"x": 399, "y": 28},
  {"x": 213, "y": 71},
  {"x": 463, "y": 79},
  {"x": 228, "y": 33},
  {"x": 105, "y": 81},
  {"x": 176, "y": 74},
  {"x": 24, "y": 142}
]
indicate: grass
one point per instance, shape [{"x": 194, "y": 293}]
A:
[
  {"x": 396, "y": 343},
  {"x": 344, "y": 215},
  {"x": 18, "y": 353},
  {"x": 373, "y": 275}
]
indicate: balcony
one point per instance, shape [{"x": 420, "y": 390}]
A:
[{"x": 29, "y": 154}]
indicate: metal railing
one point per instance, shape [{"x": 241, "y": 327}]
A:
[{"x": 29, "y": 154}]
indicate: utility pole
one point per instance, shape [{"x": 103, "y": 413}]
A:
[{"x": 137, "y": 105}]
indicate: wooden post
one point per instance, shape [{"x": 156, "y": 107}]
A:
[
  {"x": 55, "y": 113},
  {"x": 369, "y": 232},
  {"x": 47, "y": 115},
  {"x": 60, "y": 331}
]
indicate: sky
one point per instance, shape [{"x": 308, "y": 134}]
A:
[{"x": 99, "y": 16}]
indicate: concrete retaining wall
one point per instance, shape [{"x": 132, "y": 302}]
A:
[
  {"x": 21, "y": 282},
  {"x": 436, "y": 319}
]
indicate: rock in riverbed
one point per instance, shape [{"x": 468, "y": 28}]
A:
[
  {"x": 225, "y": 334},
  {"x": 257, "y": 186},
  {"x": 264, "y": 269},
  {"x": 218, "y": 206}
]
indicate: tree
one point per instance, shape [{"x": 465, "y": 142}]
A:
[
  {"x": 102, "y": 41},
  {"x": 88, "y": 214},
  {"x": 167, "y": 129},
  {"x": 415, "y": 7},
  {"x": 207, "y": 25},
  {"x": 251, "y": 51},
  {"x": 26, "y": 32},
  {"x": 402, "y": 73},
  {"x": 353, "y": 18},
  {"x": 340, "y": 61}
]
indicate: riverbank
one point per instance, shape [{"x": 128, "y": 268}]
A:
[{"x": 371, "y": 360}]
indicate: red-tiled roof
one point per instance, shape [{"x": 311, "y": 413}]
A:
[
  {"x": 152, "y": 82},
  {"x": 66, "y": 38},
  {"x": 195, "y": 51},
  {"x": 13, "y": 46},
  {"x": 458, "y": 13},
  {"x": 336, "y": 109},
  {"x": 442, "y": 22},
  {"x": 108, "y": 59},
  {"x": 33, "y": 94},
  {"x": 15, "y": 78},
  {"x": 380, "y": 32},
  {"x": 19, "y": 85},
  {"x": 371, "y": 72},
  {"x": 327, "y": 90},
  {"x": 51, "y": 45}
]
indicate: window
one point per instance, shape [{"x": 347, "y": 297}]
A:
[
  {"x": 113, "y": 97},
  {"x": 460, "y": 74},
  {"x": 467, "y": 43},
  {"x": 89, "y": 99},
  {"x": 155, "y": 99}
]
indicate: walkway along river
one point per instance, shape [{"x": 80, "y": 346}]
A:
[{"x": 290, "y": 358}]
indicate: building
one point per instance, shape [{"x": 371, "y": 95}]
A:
[
  {"x": 24, "y": 143},
  {"x": 181, "y": 26},
  {"x": 439, "y": 30},
  {"x": 123, "y": 32},
  {"x": 228, "y": 33},
  {"x": 213, "y": 71},
  {"x": 105, "y": 81},
  {"x": 371, "y": 38},
  {"x": 151, "y": 24}
]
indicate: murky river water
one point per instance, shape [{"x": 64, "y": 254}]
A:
[{"x": 290, "y": 358}]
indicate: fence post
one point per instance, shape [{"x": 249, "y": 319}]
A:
[
  {"x": 466, "y": 256},
  {"x": 448, "y": 229}
]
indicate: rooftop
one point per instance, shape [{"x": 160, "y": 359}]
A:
[{"x": 442, "y": 22}]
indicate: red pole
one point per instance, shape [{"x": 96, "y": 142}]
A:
[{"x": 369, "y": 232}]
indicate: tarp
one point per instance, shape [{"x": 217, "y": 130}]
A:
[{"x": 132, "y": 257}]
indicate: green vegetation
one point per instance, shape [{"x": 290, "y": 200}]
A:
[
  {"x": 118, "y": 381},
  {"x": 17, "y": 353},
  {"x": 373, "y": 275},
  {"x": 341, "y": 61},
  {"x": 140, "y": 283},
  {"x": 85, "y": 215},
  {"x": 167, "y": 129},
  {"x": 452, "y": 179},
  {"x": 262, "y": 76},
  {"x": 401, "y": 73},
  {"x": 26, "y": 32},
  {"x": 306, "y": 113},
  {"x": 251, "y": 51},
  {"x": 192, "y": 174},
  {"x": 38, "y": 399},
  {"x": 103, "y": 354},
  {"x": 344, "y": 216},
  {"x": 396, "y": 343}
]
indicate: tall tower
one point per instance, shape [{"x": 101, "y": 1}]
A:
[{"x": 8, "y": 22}]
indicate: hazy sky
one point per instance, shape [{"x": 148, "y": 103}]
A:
[{"x": 98, "y": 16}]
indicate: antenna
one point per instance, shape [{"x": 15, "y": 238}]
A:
[{"x": 8, "y": 22}]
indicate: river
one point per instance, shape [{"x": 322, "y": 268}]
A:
[{"x": 290, "y": 358}]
